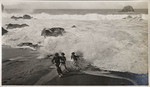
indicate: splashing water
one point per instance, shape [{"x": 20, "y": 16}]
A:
[{"x": 110, "y": 43}]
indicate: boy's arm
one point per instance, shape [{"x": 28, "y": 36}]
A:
[
  {"x": 65, "y": 58},
  {"x": 53, "y": 60},
  {"x": 71, "y": 57}
]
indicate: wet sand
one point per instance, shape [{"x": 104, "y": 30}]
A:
[
  {"x": 86, "y": 79},
  {"x": 16, "y": 53},
  {"x": 28, "y": 70},
  {"x": 20, "y": 66}
]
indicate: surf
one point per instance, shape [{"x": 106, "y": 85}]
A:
[{"x": 109, "y": 42}]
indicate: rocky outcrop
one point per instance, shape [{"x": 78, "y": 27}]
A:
[
  {"x": 13, "y": 17},
  {"x": 27, "y": 17},
  {"x": 137, "y": 18},
  {"x": 73, "y": 26},
  {"x": 28, "y": 44},
  {"x": 127, "y": 9},
  {"x": 23, "y": 17},
  {"x": 11, "y": 26},
  {"x": 4, "y": 31},
  {"x": 56, "y": 31}
]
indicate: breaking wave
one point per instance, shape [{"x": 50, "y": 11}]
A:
[
  {"x": 82, "y": 17},
  {"x": 105, "y": 44},
  {"x": 86, "y": 16}
]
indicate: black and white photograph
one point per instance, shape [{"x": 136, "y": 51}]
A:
[{"x": 74, "y": 43}]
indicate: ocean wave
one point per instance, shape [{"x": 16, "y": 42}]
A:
[
  {"x": 87, "y": 16},
  {"x": 82, "y": 17},
  {"x": 111, "y": 45},
  {"x": 103, "y": 52}
]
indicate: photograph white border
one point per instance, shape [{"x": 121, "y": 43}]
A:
[{"x": 148, "y": 1}]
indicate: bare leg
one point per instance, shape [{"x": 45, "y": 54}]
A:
[
  {"x": 59, "y": 71},
  {"x": 65, "y": 67}
]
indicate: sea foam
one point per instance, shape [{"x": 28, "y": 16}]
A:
[
  {"x": 110, "y": 42},
  {"x": 80, "y": 17},
  {"x": 87, "y": 16}
]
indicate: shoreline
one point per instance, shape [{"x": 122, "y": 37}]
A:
[
  {"x": 87, "y": 79},
  {"x": 32, "y": 71},
  {"x": 10, "y": 53}
]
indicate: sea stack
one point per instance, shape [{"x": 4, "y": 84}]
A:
[{"x": 127, "y": 9}]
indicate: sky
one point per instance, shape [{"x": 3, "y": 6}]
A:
[
  {"x": 74, "y": 4},
  {"x": 74, "y": 0}
]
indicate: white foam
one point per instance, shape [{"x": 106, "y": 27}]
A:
[
  {"x": 112, "y": 43},
  {"x": 86, "y": 16},
  {"x": 80, "y": 17}
]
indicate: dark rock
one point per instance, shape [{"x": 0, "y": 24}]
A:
[
  {"x": 27, "y": 17},
  {"x": 56, "y": 31},
  {"x": 4, "y": 31},
  {"x": 13, "y": 17},
  {"x": 28, "y": 44},
  {"x": 25, "y": 44},
  {"x": 11, "y": 26},
  {"x": 73, "y": 26},
  {"x": 127, "y": 9},
  {"x": 24, "y": 17},
  {"x": 24, "y": 25}
]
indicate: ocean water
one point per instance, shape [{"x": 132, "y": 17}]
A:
[
  {"x": 76, "y": 11},
  {"x": 107, "y": 39}
]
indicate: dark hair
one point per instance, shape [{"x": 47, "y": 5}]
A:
[
  {"x": 62, "y": 53},
  {"x": 56, "y": 54},
  {"x": 73, "y": 53}
]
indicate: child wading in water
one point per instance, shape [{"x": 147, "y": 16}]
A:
[
  {"x": 75, "y": 58},
  {"x": 56, "y": 60},
  {"x": 63, "y": 61}
]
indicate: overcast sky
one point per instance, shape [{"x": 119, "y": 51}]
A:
[
  {"x": 38, "y": 4},
  {"x": 74, "y": 0}
]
